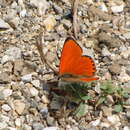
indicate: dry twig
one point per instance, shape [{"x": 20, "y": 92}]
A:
[
  {"x": 75, "y": 25},
  {"x": 43, "y": 59}
]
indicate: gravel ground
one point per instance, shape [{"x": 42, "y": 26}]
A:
[{"x": 25, "y": 100}]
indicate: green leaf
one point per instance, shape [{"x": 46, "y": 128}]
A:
[
  {"x": 100, "y": 101},
  {"x": 118, "y": 108},
  {"x": 81, "y": 110},
  {"x": 126, "y": 95},
  {"x": 86, "y": 98}
]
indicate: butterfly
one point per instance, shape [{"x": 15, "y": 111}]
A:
[{"x": 74, "y": 66}]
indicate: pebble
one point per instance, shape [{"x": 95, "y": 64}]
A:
[
  {"x": 27, "y": 127},
  {"x": 96, "y": 122},
  {"x": 114, "y": 120},
  {"x": 27, "y": 78},
  {"x": 4, "y": 25},
  {"x": 44, "y": 112},
  {"x": 19, "y": 106},
  {"x": 45, "y": 99},
  {"x": 51, "y": 128},
  {"x": 11, "y": 54},
  {"x": 42, "y": 6},
  {"x": 50, "y": 121},
  {"x": 33, "y": 91},
  {"x": 18, "y": 122},
  {"x": 115, "y": 68},
  {"x": 7, "y": 92},
  {"x": 4, "y": 77},
  {"x": 49, "y": 23},
  {"x": 3, "y": 125},
  {"x": 105, "y": 51},
  {"x": 124, "y": 77},
  {"x": 6, "y": 107},
  {"x": 117, "y": 9},
  {"x": 36, "y": 83},
  {"x": 37, "y": 126}
]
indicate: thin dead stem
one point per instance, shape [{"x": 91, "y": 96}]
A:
[
  {"x": 40, "y": 50},
  {"x": 75, "y": 25}
]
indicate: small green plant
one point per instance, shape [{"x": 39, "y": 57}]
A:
[{"x": 84, "y": 94}]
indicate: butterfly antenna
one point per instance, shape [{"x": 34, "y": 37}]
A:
[{"x": 40, "y": 50}]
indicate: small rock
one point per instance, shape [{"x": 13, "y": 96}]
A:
[
  {"x": 44, "y": 112},
  {"x": 4, "y": 77},
  {"x": 50, "y": 22},
  {"x": 7, "y": 92},
  {"x": 6, "y": 107},
  {"x": 11, "y": 54},
  {"x": 115, "y": 68},
  {"x": 45, "y": 99},
  {"x": 114, "y": 119},
  {"x": 96, "y": 122},
  {"x": 103, "y": 7},
  {"x": 42, "y": 6},
  {"x": 19, "y": 106},
  {"x": 27, "y": 78},
  {"x": 124, "y": 77},
  {"x": 4, "y": 25},
  {"x": 36, "y": 83},
  {"x": 105, "y": 124},
  {"x": 107, "y": 111},
  {"x": 51, "y": 128},
  {"x": 57, "y": 9},
  {"x": 67, "y": 24},
  {"x": 126, "y": 53},
  {"x": 117, "y": 9},
  {"x": 3, "y": 125},
  {"x": 37, "y": 126},
  {"x": 127, "y": 35},
  {"x": 34, "y": 92},
  {"x": 50, "y": 121},
  {"x": 18, "y": 122},
  {"x": 105, "y": 51},
  {"x": 26, "y": 127},
  {"x": 126, "y": 128}
]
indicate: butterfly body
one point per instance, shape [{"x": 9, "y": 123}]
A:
[{"x": 73, "y": 65}]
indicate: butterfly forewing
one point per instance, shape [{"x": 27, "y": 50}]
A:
[{"x": 72, "y": 62}]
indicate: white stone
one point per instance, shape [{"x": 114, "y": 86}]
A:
[
  {"x": 19, "y": 106},
  {"x": 4, "y": 25},
  {"x": 18, "y": 122},
  {"x": 50, "y": 22},
  {"x": 117, "y": 9},
  {"x": 51, "y": 128},
  {"x": 105, "y": 52},
  {"x": 33, "y": 91},
  {"x": 11, "y": 128},
  {"x": 27, "y": 78},
  {"x": 36, "y": 83},
  {"x": 126, "y": 128},
  {"x": 7, "y": 92},
  {"x": 42, "y": 6},
  {"x": 45, "y": 99},
  {"x": 6, "y": 107},
  {"x": 114, "y": 119},
  {"x": 11, "y": 54},
  {"x": 96, "y": 122},
  {"x": 3, "y": 125}
]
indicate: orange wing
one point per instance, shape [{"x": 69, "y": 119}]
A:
[{"x": 72, "y": 62}]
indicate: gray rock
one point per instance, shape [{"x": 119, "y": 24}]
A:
[
  {"x": 51, "y": 128},
  {"x": 4, "y": 25},
  {"x": 11, "y": 54},
  {"x": 38, "y": 126},
  {"x": 26, "y": 78}
]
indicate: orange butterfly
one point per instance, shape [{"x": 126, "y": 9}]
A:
[{"x": 73, "y": 65}]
